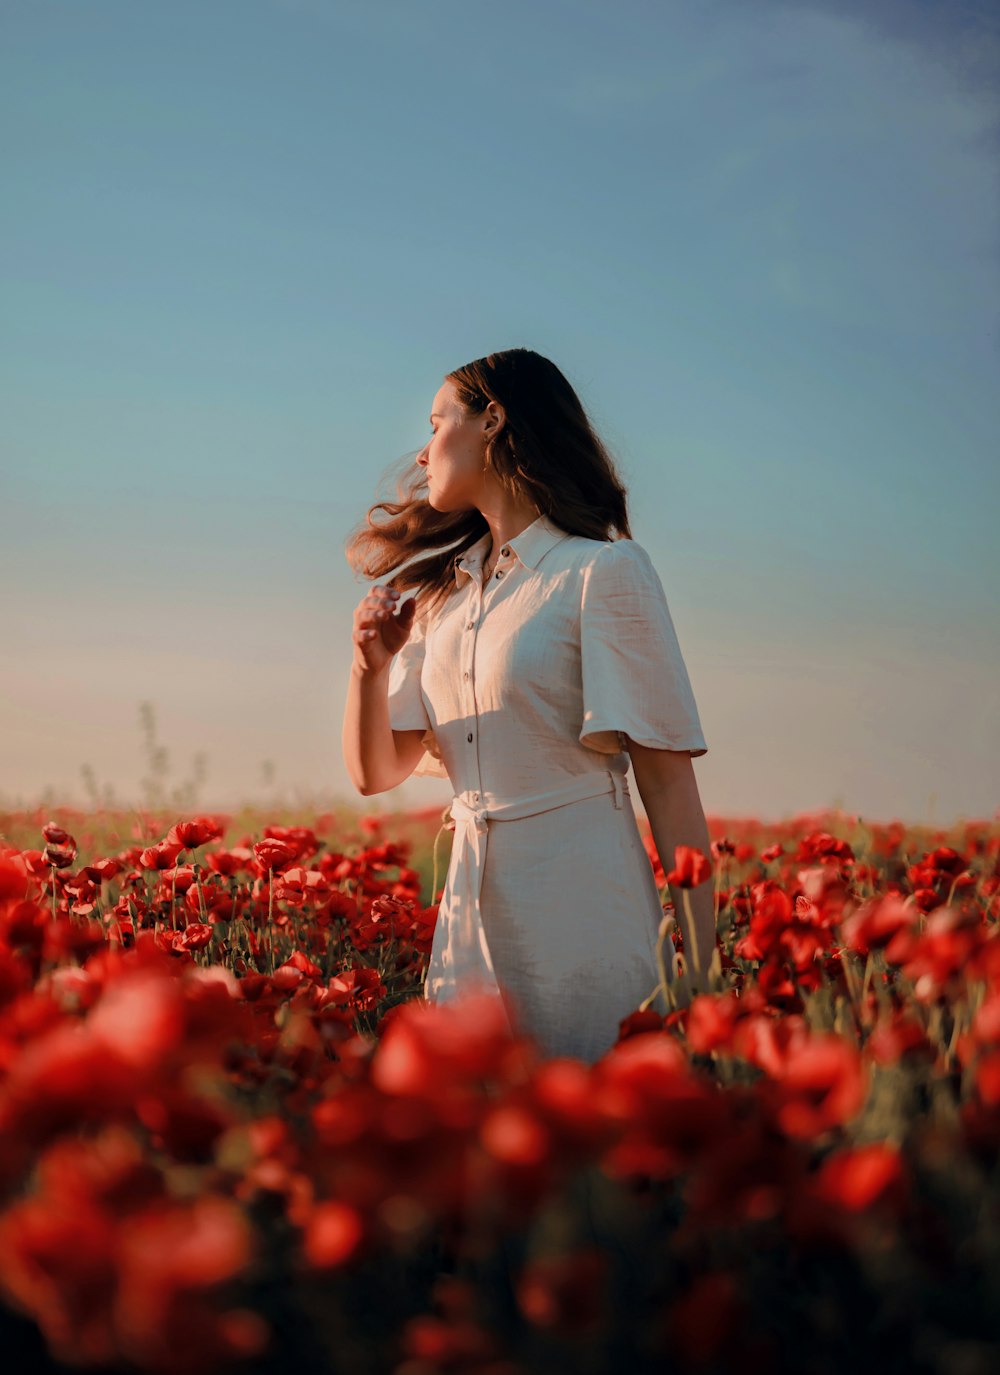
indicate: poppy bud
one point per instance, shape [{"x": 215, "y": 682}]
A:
[{"x": 59, "y": 856}]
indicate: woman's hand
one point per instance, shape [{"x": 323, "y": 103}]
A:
[{"x": 380, "y": 631}]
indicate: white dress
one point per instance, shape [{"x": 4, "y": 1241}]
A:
[{"x": 525, "y": 691}]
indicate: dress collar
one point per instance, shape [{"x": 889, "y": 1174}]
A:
[{"x": 530, "y": 546}]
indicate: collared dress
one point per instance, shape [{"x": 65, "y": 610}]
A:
[{"x": 525, "y": 692}]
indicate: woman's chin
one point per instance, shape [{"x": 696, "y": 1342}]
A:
[{"x": 438, "y": 501}]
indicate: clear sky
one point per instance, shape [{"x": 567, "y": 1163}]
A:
[{"x": 242, "y": 242}]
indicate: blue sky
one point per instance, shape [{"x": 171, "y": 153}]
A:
[{"x": 244, "y": 240}]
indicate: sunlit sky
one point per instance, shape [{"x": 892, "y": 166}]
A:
[{"x": 244, "y": 240}]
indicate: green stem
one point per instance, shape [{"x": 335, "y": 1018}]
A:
[
  {"x": 661, "y": 965},
  {"x": 201, "y": 900},
  {"x": 690, "y": 935},
  {"x": 434, "y": 881}
]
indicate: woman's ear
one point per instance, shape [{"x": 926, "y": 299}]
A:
[{"x": 495, "y": 417}]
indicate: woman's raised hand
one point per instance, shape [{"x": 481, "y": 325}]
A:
[{"x": 380, "y": 631}]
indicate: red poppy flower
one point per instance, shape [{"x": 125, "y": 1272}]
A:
[
  {"x": 988, "y": 1078},
  {"x": 691, "y": 868},
  {"x": 859, "y": 1178},
  {"x": 649, "y": 845},
  {"x": 24, "y": 925},
  {"x": 711, "y": 1020},
  {"x": 170, "y": 1257},
  {"x": 899, "y": 1036},
  {"x": 384, "y": 919},
  {"x": 433, "y": 1344},
  {"x": 825, "y": 848},
  {"x": 301, "y": 838},
  {"x": 822, "y": 1085},
  {"x": 183, "y": 1124},
  {"x": 68, "y": 938},
  {"x": 141, "y": 1017},
  {"x": 665, "y": 1114},
  {"x": 160, "y": 856},
  {"x": 59, "y": 856},
  {"x": 940, "y": 955},
  {"x": 274, "y": 854},
  {"x": 58, "y": 1265},
  {"x": 424, "y": 922},
  {"x": 15, "y": 878},
  {"x": 228, "y": 862},
  {"x": 35, "y": 863},
  {"x": 876, "y": 921},
  {"x": 638, "y": 1022},
  {"x": 985, "y": 1028},
  {"x": 190, "y": 835},
  {"x": 514, "y": 1136},
  {"x": 424, "y": 1044},
  {"x": 333, "y": 1233},
  {"x": 195, "y": 936},
  {"x": 561, "y": 1094},
  {"x": 55, "y": 835},
  {"x": 353, "y": 990}
]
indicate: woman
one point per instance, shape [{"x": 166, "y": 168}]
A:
[{"x": 537, "y": 657}]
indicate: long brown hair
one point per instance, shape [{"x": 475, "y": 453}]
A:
[{"x": 546, "y": 450}]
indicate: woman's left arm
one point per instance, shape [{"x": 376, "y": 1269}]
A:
[{"x": 669, "y": 792}]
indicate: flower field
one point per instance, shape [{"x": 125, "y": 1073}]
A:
[{"x": 234, "y": 1137}]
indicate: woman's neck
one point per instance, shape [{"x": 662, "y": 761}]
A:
[{"x": 505, "y": 527}]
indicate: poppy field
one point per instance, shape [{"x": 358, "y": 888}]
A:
[{"x": 234, "y": 1137}]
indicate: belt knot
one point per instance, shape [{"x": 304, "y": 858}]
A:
[{"x": 464, "y": 808}]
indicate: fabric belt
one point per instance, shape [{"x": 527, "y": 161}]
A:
[{"x": 461, "y": 955}]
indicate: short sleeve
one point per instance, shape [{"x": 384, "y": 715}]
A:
[
  {"x": 635, "y": 682},
  {"x": 407, "y": 710}
]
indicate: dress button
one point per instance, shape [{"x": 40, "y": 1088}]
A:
[
  {"x": 499, "y": 572},
  {"x": 469, "y": 625},
  {"x": 505, "y": 552},
  {"x": 469, "y": 738},
  {"x": 466, "y": 674}
]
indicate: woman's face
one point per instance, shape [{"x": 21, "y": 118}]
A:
[{"x": 455, "y": 453}]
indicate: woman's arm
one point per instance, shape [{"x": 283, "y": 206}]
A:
[
  {"x": 377, "y": 757},
  {"x": 669, "y": 792}
]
